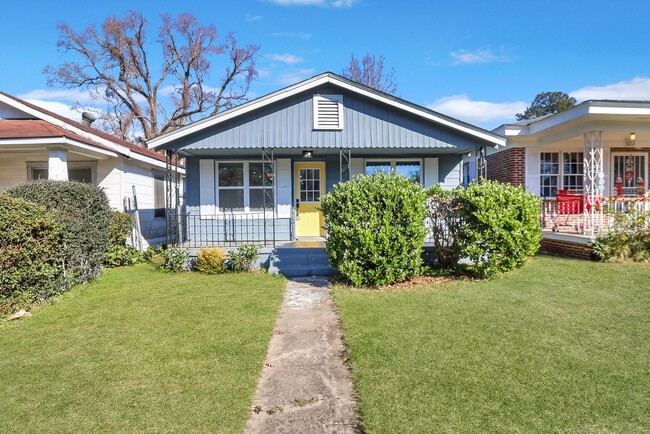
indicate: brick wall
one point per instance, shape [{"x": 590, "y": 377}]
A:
[
  {"x": 508, "y": 166},
  {"x": 565, "y": 248}
]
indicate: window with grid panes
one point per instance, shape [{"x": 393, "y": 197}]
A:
[
  {"x": 572, "y": 171},
  {"x": 549, "y": 172},
  {"x": 244, "y": 186},
  {"x": 310, "y": 187}
]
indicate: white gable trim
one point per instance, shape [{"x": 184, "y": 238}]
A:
[
  {"x": 326, "y": 78},
  {"x": 49, "y": 141}
]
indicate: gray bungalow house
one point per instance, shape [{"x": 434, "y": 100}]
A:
[{"x": 256, "y": 172}]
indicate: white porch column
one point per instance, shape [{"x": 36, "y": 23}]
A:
[
  {"x": 57, "y": 164},
  {"x": 594, "y": 182}
]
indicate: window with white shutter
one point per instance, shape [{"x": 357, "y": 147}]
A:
[{"x": 328, "y": 112}]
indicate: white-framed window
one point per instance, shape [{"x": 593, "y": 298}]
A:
[
  {"x": 409, "y": 168},
  {"x": 158, "y": 194},
  {"x": 80, "y": 171},
  {"x": 566, "y": 173},
  {"x": 243, "y": 185},
  {"x": 631, "y": 170},
  {"x": 328, "y": 112}
]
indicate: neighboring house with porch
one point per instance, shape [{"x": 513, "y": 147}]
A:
[
  {"x": 257, "y": 172},
  {"x": 579, "y": 161},
  {"x": 38, "y": 144}
]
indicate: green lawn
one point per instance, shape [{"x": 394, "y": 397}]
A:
[
  {"x": 140, "y": 350},
  {"x": 559, "y": 346}
]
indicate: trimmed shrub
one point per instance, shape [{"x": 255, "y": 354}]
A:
[
  {"x": 375, "y": 228},
  {"x": 211, "y": 260},
  {"x": 31, "y": 254},
  {"x": 242, "y": 258},
  {"x": 500, "y": 226},
  {"x": 84, "y": 212}
]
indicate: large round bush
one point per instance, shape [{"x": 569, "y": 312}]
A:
[
  {"x": 375, "y": 228},
  {"x": 31, "y": 257},
  {"x": 84, "y": 212},
  {"x": 500, "y": 226}
]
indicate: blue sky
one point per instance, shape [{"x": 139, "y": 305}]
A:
[{"x": 478, "y": 61}]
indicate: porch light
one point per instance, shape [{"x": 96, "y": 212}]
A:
[
  {"x": 308, "y": 154},
  {"x": 631, "y": 140}
]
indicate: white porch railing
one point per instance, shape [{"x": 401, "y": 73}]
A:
[{"x": 568, "y": 216}]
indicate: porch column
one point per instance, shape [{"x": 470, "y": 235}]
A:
[
  {"x": 57, "y": 164},
  {"x": 481, "y": 164},
  {"x": 594, "y": 181}
]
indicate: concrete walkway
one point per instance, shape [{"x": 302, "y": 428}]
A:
[{"x": 305, "y": 385}]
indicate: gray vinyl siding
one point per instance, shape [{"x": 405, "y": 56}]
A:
[{"x": 289, "y": 124}]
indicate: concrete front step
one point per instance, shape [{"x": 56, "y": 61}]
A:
[{"x": 298, "y": 262}]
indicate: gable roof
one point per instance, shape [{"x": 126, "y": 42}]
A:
[
  {"x": 89, "y": 135},
  {"x": 336, "y": 80},
  {"x": 586, "y": 111}
]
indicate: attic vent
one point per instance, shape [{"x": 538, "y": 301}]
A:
[{"x": 328, "y": 112}]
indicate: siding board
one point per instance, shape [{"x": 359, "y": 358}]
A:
[{"x": 288, "y": 124}]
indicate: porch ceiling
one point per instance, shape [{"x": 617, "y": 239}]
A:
[{"x": 612, "y": 138}]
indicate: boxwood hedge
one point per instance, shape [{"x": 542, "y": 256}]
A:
[
  {"x": 84, "y": 213},
  {"x": 31, "y": 253},
  {"x": 375, "y": 228}
]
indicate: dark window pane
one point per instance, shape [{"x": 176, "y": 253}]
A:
[
  {"x": 80, "y": 175},
  {"x": 39, "y": 174},
  {"x": 257, "y": 199},
  {"x": 159, "y": 195},
  {"x": 256, "y": 174},
  {"x": 231, "y": 199},
  {"x": 231, "y": 174}
]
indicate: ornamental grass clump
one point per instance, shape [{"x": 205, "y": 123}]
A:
[{"x": 375, "y": 229}]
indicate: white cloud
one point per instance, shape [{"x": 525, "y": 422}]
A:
[
  {"x": 484, "y": 55},
  {"x": 252, "y": 18},
  {"x": 327, "y": 3},
  {"x": 304, "y": 36},
  {"x": 477, "y": 112},
  {"x": 343, "y": 3},
  {"x": 636, "y": 89},
  {"x": 70, "y": 95},
  {"x": 293, "y": 77},
  {"x": 287, "y": 58},
  {"x": 59, "y": 108}
]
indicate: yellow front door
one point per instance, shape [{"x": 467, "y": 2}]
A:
[{"x": 310, "y": 187}]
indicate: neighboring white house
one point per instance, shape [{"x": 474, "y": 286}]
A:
[{"x": 38, "y": 144}]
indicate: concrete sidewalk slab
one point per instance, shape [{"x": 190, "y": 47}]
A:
[{"x": 305, "y": 384}]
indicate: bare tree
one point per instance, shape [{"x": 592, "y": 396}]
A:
[
  {"x": 151, "y": 97},
  {"x": 371, "y": 73}
]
